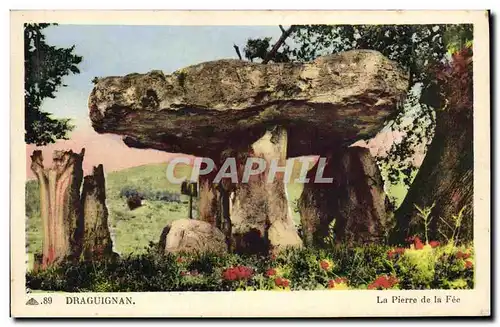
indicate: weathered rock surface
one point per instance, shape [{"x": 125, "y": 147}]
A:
[
  {"x": 96, "y": 240},
  {"x": 60, "y": 206},
  {"x": 74, "y": 224},
  {"x": 192, "y": 236},
  {"x": 356, "y": 200},
  {"x": 261, "y": 220},
  {"x": 274, "y": 111},
  {"x": 254, "y": 216},
  {"x": 207, "y": 108}
]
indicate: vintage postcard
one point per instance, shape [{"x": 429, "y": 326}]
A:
[{"x": 216, "y": 164}]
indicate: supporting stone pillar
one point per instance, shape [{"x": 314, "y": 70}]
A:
[
  {"x": 255, "y": 216},
  {"x": 356, "y": 200},
  {"x": 260, "y": 216}
]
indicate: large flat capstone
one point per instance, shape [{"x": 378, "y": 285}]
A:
[{"x": 209, "y": 107}]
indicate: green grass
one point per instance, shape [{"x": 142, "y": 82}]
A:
[
  {"x": 132, "y": 230},
  {"x": 334, "y": 267},
  {"x": 294, "y": 191}
]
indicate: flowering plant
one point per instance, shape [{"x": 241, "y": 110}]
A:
[
  {"x": 339, "y": 283},
  {"x": 326, "y": 264},
  {"x": 383, "y": 282},
  {"x": 237, "y": 273}
]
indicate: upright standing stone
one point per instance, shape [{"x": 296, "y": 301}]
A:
[
  {"x": 222, "y": 106},
  {"x": 260, "y": 217},
  {"x": 59, "y": 204},
  {"x": 96, "y": 238},
  {"x": 355, "y": 200}
]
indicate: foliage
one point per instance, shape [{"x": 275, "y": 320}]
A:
[
  {"x": 257, "y": 48},
  {"x": 454, "y": 81},
  {"x": 417, "y": 48},
  {"x": 45, "y": 66},
  {"x": 416, "y": 265},
  {"x": 416, "y": 122},
  {"x": 337, "y": 268},
  {"x": 149, "y": 219},
  {"x": 441, "y": 267},
  {"x": 330, "y": 238},
  {"x": 453, "y": 229},
  {"x": 128, "y": 191},
  {"x": 33, "y": 218},
  {"x": 425, "y": 215},
  {"x": 163, "y": 205},
  {"x": 260, "y": 48}
]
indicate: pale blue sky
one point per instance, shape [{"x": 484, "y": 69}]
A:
[{"x": 118, "y": 50}]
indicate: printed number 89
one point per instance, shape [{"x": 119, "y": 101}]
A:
[{"x": 47, "y": 300}]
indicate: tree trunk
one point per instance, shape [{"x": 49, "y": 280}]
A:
[
  {"x": 355, "y": 200},
  {"x": 445, "y": 179},
  {"x": 279, "y": 43},
  {"x": 59, "y": 204},
  {"x": 96, "y": 238}
]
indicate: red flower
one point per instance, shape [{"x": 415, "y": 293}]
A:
[
  {"x": 183, "y": 273},
  {"x": 281, "y": 282},
  {"x": 410, "y": 239},
  {"x": 340, "y": 280},
  {"x": 392, "y": 253},
  {"x": 331, "y": 284},
  {"x": 418, "y": 243},
  {"x": 237, "y": 273},
  {"x": 229, "y": 274},
  {"x": 180, "y": 260},
  {"x": 462, "y": 255},
  {"x": 468, "y": 264},
  {"x": 278, "y": 281},
  {"x": 271, "y": 272},
  {"x": 324, "y": 265},
  {"x": 434, "y": 244},
  {"x": 383, "y": 282}
]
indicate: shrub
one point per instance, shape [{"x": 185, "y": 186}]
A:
[
  {"x": 134, "y": 201},
  {"x": 339, "y": 267},
  {"x": 438, "y": 267},
  {"x": 131, "y": 191}
]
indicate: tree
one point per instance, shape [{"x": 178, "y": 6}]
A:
[
  {"x": 74, "y": 216},
  {"x": 414, "y": 47},
  {"x": 45, "y": 66},
  {"x": 424, "y": 51},
  {"x": 444, "y": 182}
]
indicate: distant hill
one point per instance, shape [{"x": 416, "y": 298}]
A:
[
  {"x": 132, "y": 230},
  {"x": 106, "y": 149}
]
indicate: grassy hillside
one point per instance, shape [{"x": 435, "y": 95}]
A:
[{"x": 132, "y": 230}]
